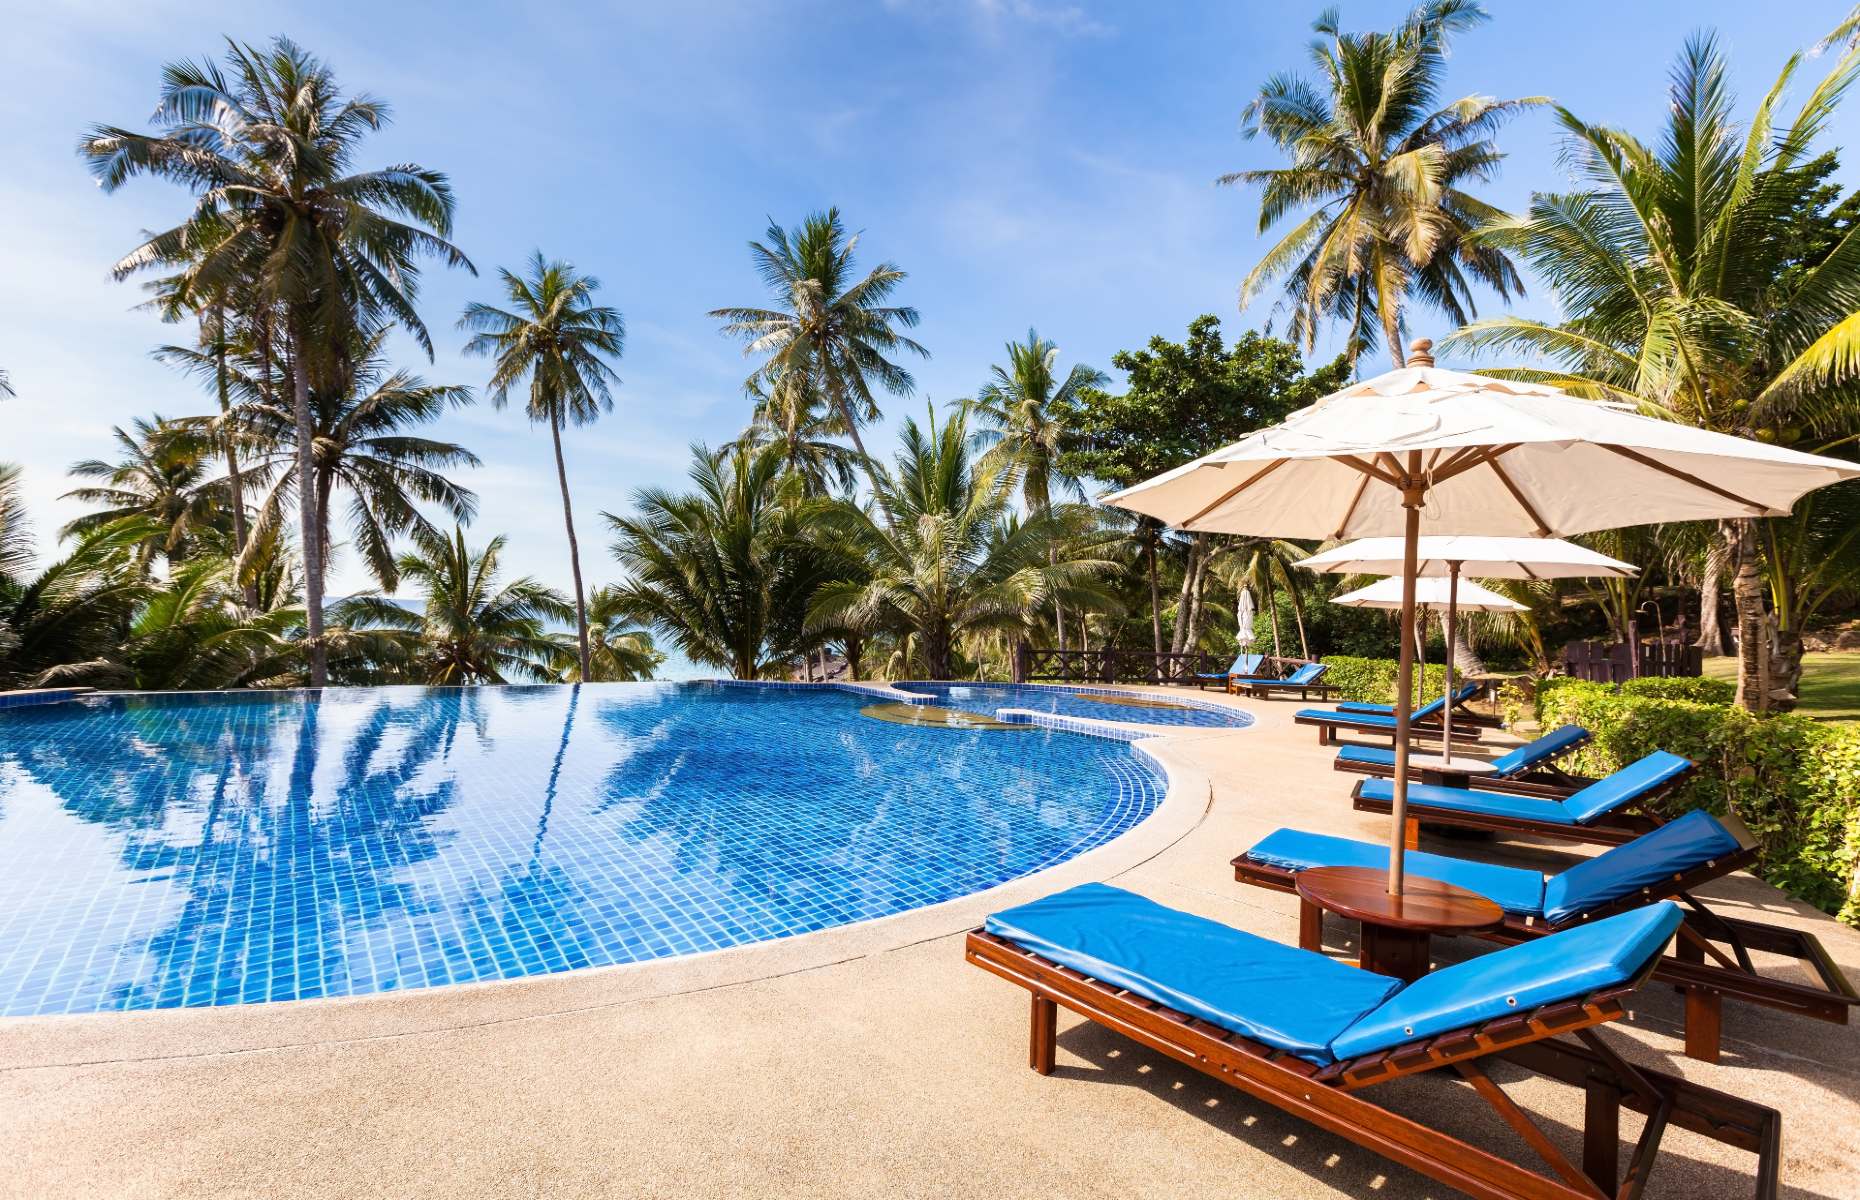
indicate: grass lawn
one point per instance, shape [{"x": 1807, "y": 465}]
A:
[{"x": 1830, "y": 685}]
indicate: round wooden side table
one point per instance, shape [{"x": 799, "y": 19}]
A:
[
  {"x": 1397, "y": 930},
  {"x": 1457, "y": 771}
]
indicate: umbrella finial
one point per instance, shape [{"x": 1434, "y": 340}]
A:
[{"x": 1421, "y": 352}]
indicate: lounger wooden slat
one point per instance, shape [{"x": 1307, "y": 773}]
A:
[{"x": 1338, "y": 1097}]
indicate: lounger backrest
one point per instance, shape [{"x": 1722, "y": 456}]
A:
[
  {"x": 1550, "y": 745},
  {"x": 1307, "y": 673},
  {"x": 1564, "y": 966},
  {"x": 1624, "y": 786},
  {"x": 1246, "y": 664},
  {"x": 1429, "y": 709},
  {"x": 1675, "y": 848}
]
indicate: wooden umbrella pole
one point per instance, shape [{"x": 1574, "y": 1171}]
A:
[
  {"x": 1446, "y": 711},
  {"x": 1414, "y": 495}
]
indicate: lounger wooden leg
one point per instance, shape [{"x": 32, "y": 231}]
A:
[
  {"x": 1601, "y": 1133},
  {"x": 1045, "y": 1025},
  {"x": 1411, "y": 833},
  {"x": 1704, "y": 1023},
  {"x": 1310, "y": 925}
]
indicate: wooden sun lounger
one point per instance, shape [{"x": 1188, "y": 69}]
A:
[
  {"x": 1622, "y": 825},
  {"x": 1547, "y": 781},
  {"x": 1710, "y": 959},
  {"x": 1336, "y": 1097},
  {"x": 1330, "y": 724}
]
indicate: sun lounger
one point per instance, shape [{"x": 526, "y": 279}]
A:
[
  {"x": 1331, "y": 721},
  {"x": 1609, "y": 811},
  {"x": 1305, "y": 680},
  {"x": 1714, "y": 952},
  {"x": 1313, "y": 1036},
  {"x": 1430, "y": 712},
  {"x": 1242, "y": 666},
  {"x": 1530, "y": 770}
]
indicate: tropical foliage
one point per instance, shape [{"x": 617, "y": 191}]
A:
[{"x": 1384, "y": 169}]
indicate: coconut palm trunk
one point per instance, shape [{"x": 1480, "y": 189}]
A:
[
  {"x": 308, "y": 524},
  {"x": 234, "y": 481},
  {"x": 1753, "y": 643},
  {"x": 574, "y": 547}
]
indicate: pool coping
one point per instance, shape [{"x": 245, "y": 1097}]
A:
[{"x": 63, "y": 1040}]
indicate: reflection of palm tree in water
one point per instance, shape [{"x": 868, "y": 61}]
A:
[{"x": 273, "y": 888}]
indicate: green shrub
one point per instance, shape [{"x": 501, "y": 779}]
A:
[
  {"x": 1793, "y": 781},
  {"x": 1372, "y": 680},
  {"x": 1698, "y": 691}
]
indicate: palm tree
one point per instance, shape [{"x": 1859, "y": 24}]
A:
[
  {"x": 830, "y": 333},
  {"x": 622, "y": 647},
  {"x": 190, "y": 634},
  {"x": 78, "y": 608},
  {"x": 1266, "y": 566},
  {"x": 472, "y": 628},
  {"x": 1021, "y": 413},
  {"x": 266, "y": 147},
  {"x": 726, "y": 570},
  {"x": 161, "y": 475},
  {"x": 949, "y": 561},
  {"x": 362, "y": 445},
  {"x": 560, "y": 341},
  {"x": 1386, "y": 168},
  {"x": 794, "y": 423},
  {"x": 1708, "y": 283}
]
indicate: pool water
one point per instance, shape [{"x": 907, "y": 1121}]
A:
[
  {"x": 1083, "y": 701},
  {"x": 235, "y": 848}
]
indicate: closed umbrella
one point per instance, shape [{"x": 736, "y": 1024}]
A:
[
  {"x": 1425, "y": 448},
  {"x": 1243, "y": 618},
  {"x": 1477, "y": 557}
]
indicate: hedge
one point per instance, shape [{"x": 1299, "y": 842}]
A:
[
  {"x": 1372, "y": 680},
  {"x": 1793, "y": 781}
]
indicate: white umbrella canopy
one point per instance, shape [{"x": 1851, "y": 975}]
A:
[
  {"x": 1243, "y": 618},
  {"x": 1454, "y": 453},
  {"x": 1429, "y": 592},
  {"x": 1490, "y": 456},
  {"x": 1483, "y": 557},
  {"x": 1473, "y": 557}
]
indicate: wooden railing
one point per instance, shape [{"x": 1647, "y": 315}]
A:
[
  {"x": 1606, "y": 662},
  {"x": 1131, "y": 666}
]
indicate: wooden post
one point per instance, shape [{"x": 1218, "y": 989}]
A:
[
  {"x": 1601, "y": 1133},
  {"x": 1704, "y": 1023},
  {"x": 1045, "y": 1027},
  {"x": 1414, "y": 495},
  {"x": 1310, "y": 925},
  {"x": 1446, "y": 712}
]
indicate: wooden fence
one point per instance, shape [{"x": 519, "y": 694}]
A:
[
  {"x": 1130, "y": 666},
  {"x": 1612, "y": 662}
]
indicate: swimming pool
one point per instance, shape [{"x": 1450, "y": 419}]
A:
[
  {"x": 1083, "y": 701},
  {"x": 242, "y": 847}
]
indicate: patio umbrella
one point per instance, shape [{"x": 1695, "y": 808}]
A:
[
  {"x": 1243, "y": 618},
  {"x": 1479, "y": 557},
  {"x": 1467, "y": 454}
]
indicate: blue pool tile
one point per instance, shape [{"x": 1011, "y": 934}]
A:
[{"x": 238, "y": 848}]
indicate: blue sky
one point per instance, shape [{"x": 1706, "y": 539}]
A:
[{"x": 1029, "y": 162}]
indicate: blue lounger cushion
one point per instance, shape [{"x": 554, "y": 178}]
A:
[
  {"x": 1563, "y": 966},
  {"x": 1460, "y": 696},
  {"x": 1470, "y": 800},
  {"x": 1511, "y": 888},
  {"x": 1360, "y": 720},
  {"x": 1674, "y": 848},
  {"x": 1557, "y": 742},
  {"x": 1245, "y": 664},
  {"x": 1285, "y": 997},
  {"x": 1632, "y": 781},
  {"x": 1306, "y": 674},
  {"x": 1694, "y": 840},
  {"x": 1302, "y": 1001}
]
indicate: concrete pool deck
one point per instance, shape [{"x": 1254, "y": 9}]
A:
[{"x": 860, "y": 1062}]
